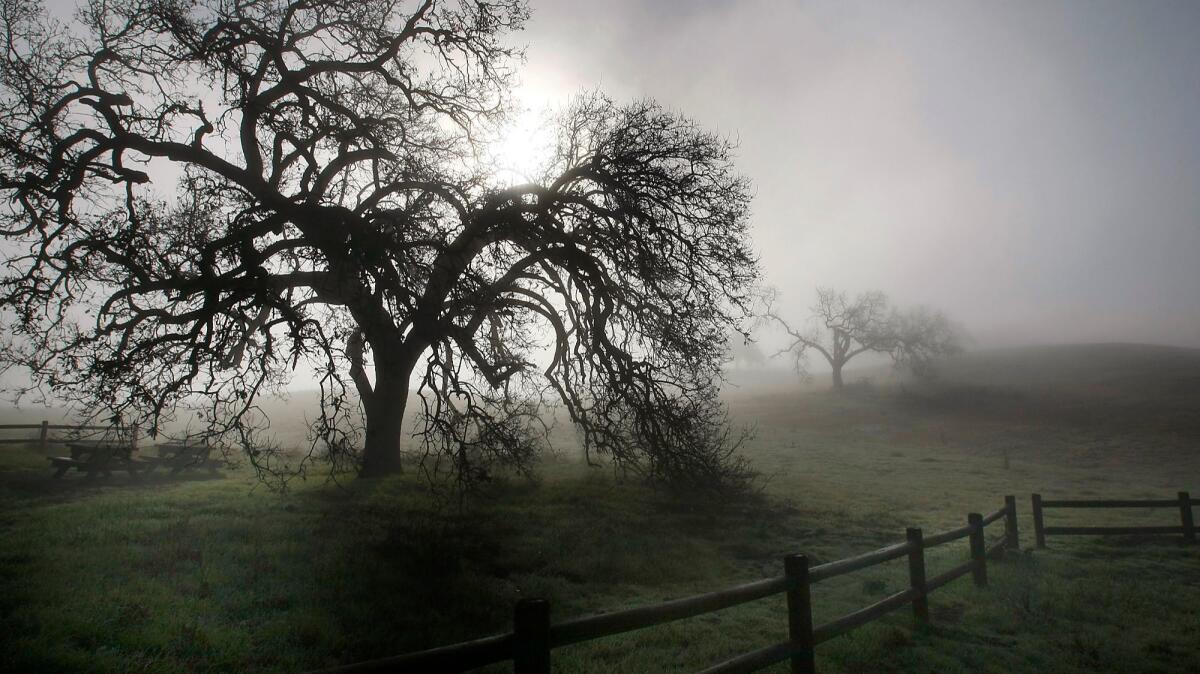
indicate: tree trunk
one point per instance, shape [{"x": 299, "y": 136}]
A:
[
  {"x": 837, "y": 376},
  {"x": 385, "y": 422}
]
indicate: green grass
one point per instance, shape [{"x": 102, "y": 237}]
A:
[{"x": 213, "y": 575}]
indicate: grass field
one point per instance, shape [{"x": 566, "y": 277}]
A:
[{"x": 213, "y": 575}]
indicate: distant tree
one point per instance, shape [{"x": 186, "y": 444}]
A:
[
  {"x": 201, "y": 196},
  {"x": 921, "y": 336},
  {"x": 842, "y": 327}
]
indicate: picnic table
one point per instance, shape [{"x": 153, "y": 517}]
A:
[
  {"x": 180, "y": 456},
  {"x": 96, "y": 456}
]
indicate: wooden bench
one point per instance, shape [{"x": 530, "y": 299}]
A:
[
  {"x": 179, "y": 457},
  {"x": 93, "y": 458}
]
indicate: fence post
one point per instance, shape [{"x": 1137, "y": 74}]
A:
[
  {"x": 1185, "y": 515},
  {"x": 44, "y": 436},
  {"x": 531, "y": 637},
  {"x": 916, "y": 573},
  {"x": 1039, "y": 533},
  {"x": 978, "y": 549},
  {"x": 1012, "y": 538},
  {"x": 800, "y": 622}
]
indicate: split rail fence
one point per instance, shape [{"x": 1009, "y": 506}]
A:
[
  {"x": 530, "y": 644},
  {"x": 45, "y": 438},
  {"x": 1183, "y": 501}
]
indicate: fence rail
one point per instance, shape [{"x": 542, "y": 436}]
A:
[
  {"x": 1183, "y": 501},
  {"x": 44, "y": 439},
  {"x": 533, "y": 638},
  {"x": 608, "y": 624}
]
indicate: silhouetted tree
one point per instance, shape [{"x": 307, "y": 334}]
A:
[
  {"x": 842, "y": 328},
  {"x": 202, "y": 196}
]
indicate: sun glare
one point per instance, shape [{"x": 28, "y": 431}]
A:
[{"x": 523, "y": 148}]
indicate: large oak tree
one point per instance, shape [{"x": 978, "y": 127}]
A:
[{"x": 202, "y": 197}]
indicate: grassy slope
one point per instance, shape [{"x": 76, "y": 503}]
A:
[{"x": 210, "y": 575}]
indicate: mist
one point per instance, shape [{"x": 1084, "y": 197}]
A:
[
  {"x": 1029, "y": 168},
  {"x": 633, "y": 336}
]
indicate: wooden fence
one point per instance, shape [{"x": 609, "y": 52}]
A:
[
  {"x": 44, "y": 438},
  {"x": 1183, "y": 501},
  {"x": 533, "y": 638}
]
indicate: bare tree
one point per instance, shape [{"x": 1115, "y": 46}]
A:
[
  {"x": 330, "y": 211},
  {"x": 921, "y": 336},
  {"x": 842, "y": 327}
]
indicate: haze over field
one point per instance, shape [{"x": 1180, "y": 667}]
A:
[{"x": 1029, "y": 167}]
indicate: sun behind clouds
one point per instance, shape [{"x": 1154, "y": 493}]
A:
[{"x": 525, "y": 145}]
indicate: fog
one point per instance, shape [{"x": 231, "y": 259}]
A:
[
  {"x": 1029, "y": 168},
  {"x": 353, "y": 406}
]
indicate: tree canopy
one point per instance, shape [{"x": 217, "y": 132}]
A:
[
  {"x": 204, "y": 197},
  {"x": 842, "y": 327}
]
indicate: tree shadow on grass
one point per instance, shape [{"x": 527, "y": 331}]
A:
[
  {"x": 235, "y": 579},
  {"x": 399, "y": 574}
]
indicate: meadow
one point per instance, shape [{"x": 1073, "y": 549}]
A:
[{"x": 220, "y": 574}]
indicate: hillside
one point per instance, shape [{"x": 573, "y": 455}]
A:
[
  {"x": 1091, "y": 383},
  {"x": 1112, "y": 371},
  {"x": 1120, "y": 388}
]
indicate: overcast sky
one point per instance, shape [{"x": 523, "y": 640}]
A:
[{"x": 1032, "y": 168}]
